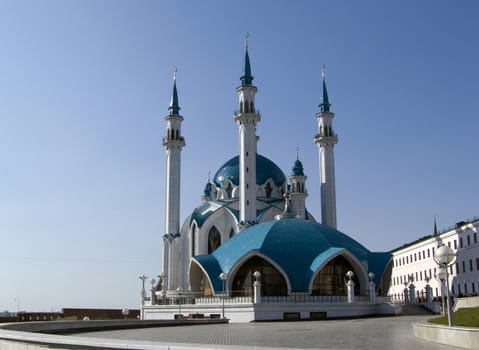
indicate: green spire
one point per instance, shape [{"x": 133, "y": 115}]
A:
[
  {"x": 174, "y": 107},
  {"x": 246, "y": 78},
  {"x": 325, "y": 100},
  {"x": 435, "y": 226}
]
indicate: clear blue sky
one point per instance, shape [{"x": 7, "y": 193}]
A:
[{"x": 84, "y": 87}]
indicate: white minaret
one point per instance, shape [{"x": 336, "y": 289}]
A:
[
  {"x": 326, "y": 139},
  {"x": 297, "y": 190},
  {"x": 173, "y": 143},
  {"x": 246, "y": 118}
]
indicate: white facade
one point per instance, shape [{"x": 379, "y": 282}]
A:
[{"x": 416, "y": 260}]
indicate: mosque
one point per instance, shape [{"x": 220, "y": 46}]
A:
[{"x": 252, "y": 237}]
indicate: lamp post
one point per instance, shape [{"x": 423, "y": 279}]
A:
[
  {"x": 224, "y": 277},
  {"x": 257, "y": 287},
  {"x": 372, "y": 287},
  {"x": 179, "y": 290},
  {"x": 444, "y": 257},
  {"x": 441, "y": 276},
  {"x": 143, "y": 278},
  {"x": 350, "y": 285}
]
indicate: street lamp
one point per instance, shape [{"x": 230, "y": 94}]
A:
[
  {"x": 441, "y": 276},
  {"x": 444, "y": 257},
  {"x": 143, "y": 278},
  {"x": 179, "y": 290},
  {"x": 224, "y": 277}
]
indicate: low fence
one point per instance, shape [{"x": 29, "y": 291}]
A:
[{"x": 295, "y": 298}]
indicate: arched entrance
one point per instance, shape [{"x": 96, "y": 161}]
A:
[
  {"x": 331, "y": 279},
  {"x": 272, "y": 281}
]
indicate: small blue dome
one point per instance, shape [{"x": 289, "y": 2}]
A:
[
  {"x": 265, "y": 169},
  {"x": 298, "y": 168}
]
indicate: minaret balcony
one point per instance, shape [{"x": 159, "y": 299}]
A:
[
  {"x": 238, "y": 113},
  {"x": 180, "y": 142},
  {"x": 318, "y": 138}
]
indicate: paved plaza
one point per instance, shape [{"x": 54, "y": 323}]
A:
[{"x": 369, "y": 333}]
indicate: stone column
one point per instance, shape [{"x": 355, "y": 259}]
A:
[
  {"x": 372, "y": 292},
  {"x": 350, "y": 285},
  {"x": 412, "y": 293}
]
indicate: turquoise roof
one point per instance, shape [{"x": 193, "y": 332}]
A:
[
  {"x": 265, "y": 169},
  {"x": 299, "y": 247},
  {"x": 246, "y": 78},
  {"x": 174, "y": 106},
  {"x": 298, "y": 168}
]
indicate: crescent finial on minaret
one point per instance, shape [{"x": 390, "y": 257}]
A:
[
  {"x": 297, "y": 153},
  {"x": 246, "y": 40},
  {"x": 323, "y": 70}
]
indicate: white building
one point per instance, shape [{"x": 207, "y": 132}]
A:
[{"x": 416, "y": 260}]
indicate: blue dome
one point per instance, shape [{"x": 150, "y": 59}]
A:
[
  {"x": 298, "y": 168},
  {"x": 299, "y": 247},
  {"x": 265, "y": 169}
]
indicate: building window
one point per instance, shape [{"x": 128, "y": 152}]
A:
[
  {"x": 432, "y": 251},
  {"x": 455, "y": 244},
  {"x": 214, "y": 240},
  {"x": 477, "y": 263},
  {"x": 470, "y": 265},
  {"x": 457, "y": 268},
  {"x": 465, "y": 288},
  {"x": 420, "y": 275},
  {"x": 460, "y": 242},
  {"x": 423, "y": 254},
  {"x": 463, "y": 267},
  {"x": 468, "y": 240},
  {"x": 452, "y": 290},
  {"x": 437, "y": 294},
  {"x": 473, "y": 287},
  {"x": 407, "y": 260},
  {"x": 449, "y": 244},
  {"x": 430, "y": 274},
  {"x": 428, "y": 253},
  {"x": 418, "y": 255},
  {"x": 475, "y": 237},
  {"x": 459, "y": 289}
]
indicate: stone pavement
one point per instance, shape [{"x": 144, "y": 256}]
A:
[{"x": 366, "y": 333}]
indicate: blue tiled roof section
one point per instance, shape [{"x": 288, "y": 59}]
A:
[
  {"x": 377, "y": 263},
  {"x": 210, "y": 264},
  {"x": 241, "y": 244},
  {"x": 299, "y": 247},
  {"x": 265, "y": 169}
]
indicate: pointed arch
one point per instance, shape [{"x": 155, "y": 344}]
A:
[
  {"x": 241, "y": 263},
  {"x": 273, "y": 282},
  {"x": 336, "y": 270}
]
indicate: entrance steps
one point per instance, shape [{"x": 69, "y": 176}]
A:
[{"x": 415, "y": 310}]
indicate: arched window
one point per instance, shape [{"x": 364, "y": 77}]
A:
[
  {"x": 214, "y": 240},
  {"x": 229, "y": 190},
  {"x": 268, "y": 189},
  {"x": 331, "y": 280},
  {"x": 252, "y": 107},
  {"x": 193, "y": 238},
  {"x": 272, "y": 281}
]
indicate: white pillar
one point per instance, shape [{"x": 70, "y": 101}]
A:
[
  {"x": 350, "y": 285},
  {"x": 412, "y": 293},
  {"x": 372, "y": 292}
]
